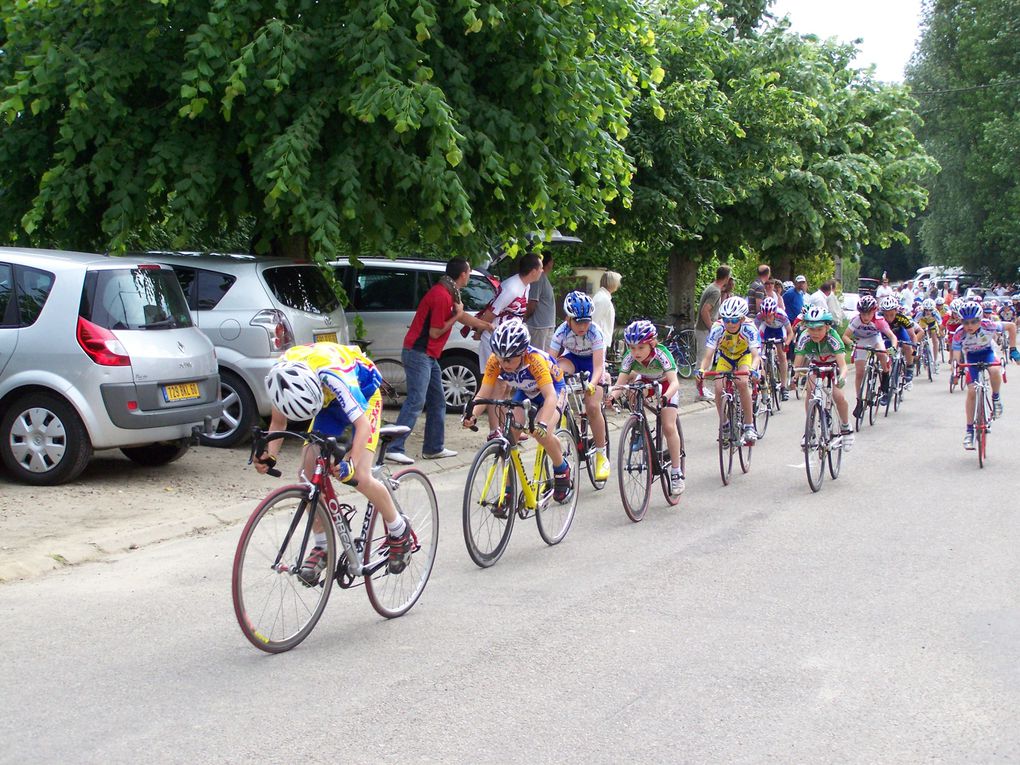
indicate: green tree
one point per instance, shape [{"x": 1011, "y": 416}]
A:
[
  {"x": 966, "y": 77},
  {"x": 330, "y": 126}
]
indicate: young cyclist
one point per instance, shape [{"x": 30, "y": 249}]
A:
[
  {"x": 821, "y": 344},
  {"x": 865, "y": 330},
  {"x": 941, "y": 307},
  {"x": 733, "y": 346},
  {"x": 930, "y": 323},
  {"x": 335, "y": 386},
  {"x": 906, "y": 332},
  {"x": 534, "y": 375},
  {"x": 975, "y": 342},
  {"x": 647, "y": 361},
  {"x": 578, "y": 345},
  {"x": 773, "y": 324}
]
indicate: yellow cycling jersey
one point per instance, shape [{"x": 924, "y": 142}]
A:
[{"x": 928, "y": 322}]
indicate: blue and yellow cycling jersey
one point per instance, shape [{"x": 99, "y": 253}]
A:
[
  {"x": 565, "y": 340},
  {"x": 733, "y": 345},
  {"x": 537, "y": 370},
  {"x": 349, "y": 378}
]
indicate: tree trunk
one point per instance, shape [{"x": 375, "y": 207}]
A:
[
  {"x": 682, "y": 276},
  {"x": 782, "y": 267},
  {"x": 292, "y": 247}
]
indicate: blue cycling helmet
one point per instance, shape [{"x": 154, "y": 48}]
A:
[
  {"x": 970, "y": 310},
  {"x": 578, "y": 306},
  {"x": 640, "y": 331}
]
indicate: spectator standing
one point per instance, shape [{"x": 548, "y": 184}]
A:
[
  {"x": 603, "y": 311},
  {"x": 511, "y": 302},
  {"x": 832, "y": 302},
  {"x": 438, "y": 311},
  {"x": 884, "y": 290},
  {"x": 774, "y": 290},
  {"x": 756, "y": 292},
  {"x": 541, "y": 312},
  {"x": 793, "y": 298},
  {"x": 907, "y": 294},
  {"x": 708, "y": 306}
]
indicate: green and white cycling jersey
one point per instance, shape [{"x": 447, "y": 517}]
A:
[
  {"x": 822, "y": 352},
  {"x": 653, "y": 368}
]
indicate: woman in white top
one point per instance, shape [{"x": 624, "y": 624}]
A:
[{"x": 603, "y": 311}]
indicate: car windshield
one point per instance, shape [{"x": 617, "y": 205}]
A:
[
  {"x": 302, "y": 287},
  {"x": 134, "y": 298}
]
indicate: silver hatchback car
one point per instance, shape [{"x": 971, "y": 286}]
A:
[
  {"x": 97, "y": 353},
  {"x": 253, "y": 309}
]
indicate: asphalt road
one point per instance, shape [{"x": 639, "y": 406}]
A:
[{"x": 877, "y": 621}]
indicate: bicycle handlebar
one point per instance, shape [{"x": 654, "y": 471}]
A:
[
  {"x": 526, "y": 405},
  {"x": 328, "y": 446}
]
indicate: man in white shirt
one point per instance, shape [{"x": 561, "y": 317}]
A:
[
  {"x": 884, "y": 289},
  {"x": 907, "y": 294},
  {"x": 510, "y": 302}
]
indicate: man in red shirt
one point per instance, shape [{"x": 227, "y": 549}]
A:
[{"x": 437, "y": 312}]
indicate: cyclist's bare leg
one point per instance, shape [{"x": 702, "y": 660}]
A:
[
  {"x": 371, "y": 488},
  {"x": 883, "y": 356},
  {"x": 308, "y": 457},
  {"x": 969, "y": 404},
  {"x": 593, "y": 408},
  {"x": 995, "y": 376},
  {"x": 842, "y": 407},
  {"x": 859, "y": 365},
  {"x": 667, "y": 418},
  {"x": 781, "y": 354},
  {"x": 719, "y": 396},
  {"x": 745, "y": 398}
]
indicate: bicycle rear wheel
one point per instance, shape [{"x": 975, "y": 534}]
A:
[
  {"x": 814, "y": 450},
  {"x": 665, "y": 461},
  {"x": 894, "y": 382},
  {"x": 687, "y": 343},
  {"x": 633, "y": 466},
  {"x": 274, "y": 607},
  {"x": 392, "y": 595},
  {"x": 488, "y": 518},
  {"x": 395, "y": 377},
  {"x": 552, "y": 517},
  {"x": 590, "y": 461},
  {"x": 775, "y": 385}
]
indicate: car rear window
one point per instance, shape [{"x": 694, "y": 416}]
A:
[
  {"x": 6, "y": 291},
  {"x": 301, "y": 287},
  {"x": 134, "y": 298},
  {"x": 33, "y": 288}
]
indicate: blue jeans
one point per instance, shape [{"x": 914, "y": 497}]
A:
[{"x": 424, "y": 390}]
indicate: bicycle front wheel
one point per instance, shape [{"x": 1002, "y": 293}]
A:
[
  {"x": 981, "y": 428},
  {"x": 687, "y": 343},
  {"x": 634, "y": 468},
  {"x": 392, "y": 595},
  {"x": 814, "y": 447},
  {"x": 275, "y": 608},
  {"x": 761, "y": 406},
  {"x": 873, "y": 386},
  {"x": 725, "y": 446},
  {"x": 488, "y": 516},
  {"x": 835, "y": 454},
  {"x": 554, "y": 518}
]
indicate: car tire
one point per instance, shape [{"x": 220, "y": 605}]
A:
[
  {"x": 36, "y": 417},
  {"x": 239, "y": 411},
  {"x": 158, "y": 454},
  {"x": 460, "y": 380}
]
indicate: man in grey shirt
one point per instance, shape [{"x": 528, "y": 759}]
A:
[
  {"x": 708, "y": 311},
  {"x": 756, "y": 292},
  {"x": 540, "y": 315}
]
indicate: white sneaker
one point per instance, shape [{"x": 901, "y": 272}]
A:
[
  {"x": 439, "y": 455},
  {"x": 848, "y": 439},
  {"x": 750, "y": 436},
  {"x": 676, "y": 484},
  {"x": 400, "y": 458}
]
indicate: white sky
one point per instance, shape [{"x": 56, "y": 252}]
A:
[{"x": 888, "y": 28}]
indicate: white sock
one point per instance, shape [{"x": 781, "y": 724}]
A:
[
  {"x": 320, "y": 539},
  {"x": 396, "y": 528}
]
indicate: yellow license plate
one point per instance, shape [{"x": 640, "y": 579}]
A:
[
  {"x": 326, "y": 337},
  {"x": 181, "y": 392}
]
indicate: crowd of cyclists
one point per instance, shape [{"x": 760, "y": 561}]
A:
[{"x": 337, "y": 386}]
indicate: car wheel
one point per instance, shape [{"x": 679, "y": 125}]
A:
[
  {"x": 43, "y": 441},
  {"x": 154, "y": 455},
  {"x": 460, "y": 381},
  {"x": 239, "y": 413}
]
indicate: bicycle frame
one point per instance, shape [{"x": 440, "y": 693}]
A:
[
  {"x": 529, "y": 484},
  {"x": 640, "y": 409}
]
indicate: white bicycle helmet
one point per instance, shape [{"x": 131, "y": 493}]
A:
[
  {"x": 956, "y": 305},
  {"x": 733, "y": 308},
  {"x": 769, "y": 305},
  {"x": 940, "y": 301},
  {"x": 511, "y": 338},
  {"x": 889, "y": 303},
  {"x": 295, "y": 390},
  {"x": 928, "y": 305}
]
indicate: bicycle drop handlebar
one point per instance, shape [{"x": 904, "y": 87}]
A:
[
  {"x": 329, "y": 447},
  {"x": 526, "y": 405}
]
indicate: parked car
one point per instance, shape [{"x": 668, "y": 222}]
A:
[
  {"x": 384, "y": 295},
  {"x": 253, "y": 309},
  {"x": 97, "y": 353}
]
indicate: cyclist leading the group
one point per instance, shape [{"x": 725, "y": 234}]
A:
[
  {"x": 975, "y": 343},
  {"x": 578, "y": 345},
  {"x": 647, "y": 361},
  {"x": 733, "y": 346},
  {"x": 533, "y": 375},
  {"x": 335, "y": 386},
  {"x": 821, "y": 344}
]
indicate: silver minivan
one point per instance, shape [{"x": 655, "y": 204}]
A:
[
  {"x": 252, "y": 309},
  {"x": 97, "y": 353}
]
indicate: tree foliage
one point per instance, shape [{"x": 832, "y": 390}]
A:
[
  {"x": 331, "y": 126},
  {"x": 966, "y": 77}
]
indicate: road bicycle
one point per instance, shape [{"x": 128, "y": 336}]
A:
[
  {"x": 924, "y": 360},
  {"x": 575, "y": 420},
  {"x": 897, "y": 378},
  {"x": 956, "y": 377},
  {"x": 761, "y": 406},
  {"x": 983, "y": 410},
  {"x": 683, "y": 345},
  {"x": 773, "y": 383},
  {"x": 275, "y": 606},
  {"x": 499, "y": 488},
  {"x": 731, "y": 428},
  {"x": 822, "y": 443},
  {"x": 643, "y": 453},
  {"x": 869, "y": 391}
]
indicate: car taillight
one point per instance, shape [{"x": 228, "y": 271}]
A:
[
  {"x": 101, "y": 345},
  {"x": 281, "y": 336}
]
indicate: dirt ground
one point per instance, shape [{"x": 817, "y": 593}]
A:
[{"x": 117, "y": 506}]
